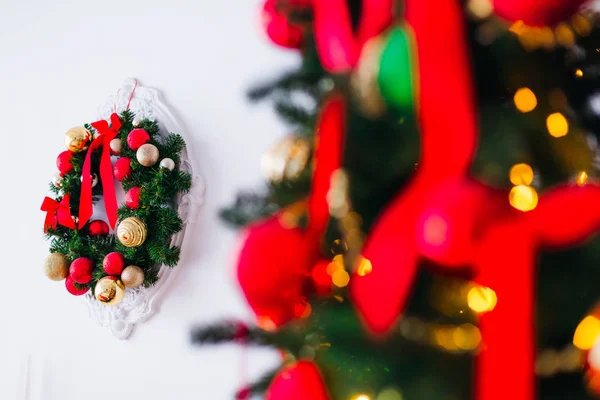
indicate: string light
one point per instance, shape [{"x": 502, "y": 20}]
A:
[
  {"x": 564, "y": 35},
  {"x": 557, "y": 125},
  {"x": 481, "y": 299},
  {"x": 521, "y": 174},
  {"x": 523, "y": 198},
  {"x": 364, "y": 267},
  {"x": 586, "y": 333},
  {"x": 340, "y": 278},
  {"x": 525, "y": 100},
  {"x": 578, "y": 73}
]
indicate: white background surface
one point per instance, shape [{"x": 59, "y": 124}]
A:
[{"x": 59, "y": 60}]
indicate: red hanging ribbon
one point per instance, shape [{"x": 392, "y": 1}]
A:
[
  {"x": 58, "y": 213},
  {"x": 106, "y": 173}
]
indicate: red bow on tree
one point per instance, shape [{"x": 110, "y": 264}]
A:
[
  {"x": 106, "y": 173},
  {"x": 58, "y": 213}
]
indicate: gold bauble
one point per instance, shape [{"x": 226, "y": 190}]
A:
[
  {"x": 286, "y": 160},
  {"x": 147, "y": 155},
  {"x": 77, "y": 139},
  {"x": 132, "y": 232},
  {"x": 132, "y": 276},
  {"x": 56, "y": 266},
  {"x": 364, "y": 78},
  {"x": 109, "y": 291}
]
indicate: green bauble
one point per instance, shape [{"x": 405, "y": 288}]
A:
[{"x": 397, "y": 70}]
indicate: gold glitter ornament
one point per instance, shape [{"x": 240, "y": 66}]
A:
[
  {"x": 147, "y": 155},
  {"x": 132, "y": 276},
  {"x": 77, "y": 139},
  {"x": 286, "y": 160},
  {"x": 56, "y": 266},
  {"x": 109, "y": 291},
  {"x": 132, "y": 232}
]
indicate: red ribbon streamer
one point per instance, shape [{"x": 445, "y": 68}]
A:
[
  {"x": 58, "y": 213},
  {"x": 338, "y": 45},
  {"x": 106, "y": 173}
]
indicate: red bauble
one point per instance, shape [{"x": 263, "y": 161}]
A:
[
  {"x": 132, "y": 197},
  {"x": 122, "y": 168},
  {"x": 537, "y": 12},
  {"x": 137, "y": 138},
  {"x": 273, "y": 268},
  {"x": 278, "y": 26},
  {"x": 63, "y": 162},
  {"x": 299, "y": 381},
  {"x": 113, "y": 263},
  {"x": 70, "y": 285},
  {"x": 81, "y": 270},
  {"x": 98, "y": 228}
]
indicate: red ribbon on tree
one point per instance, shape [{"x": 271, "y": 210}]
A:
[
  {"x": 106, "y": 173},
  {"x": 58, "y": 213}
]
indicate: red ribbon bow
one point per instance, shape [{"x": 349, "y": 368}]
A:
[
  {"x": 58, "y": 213},
  {"x": 106, "y": 173}
]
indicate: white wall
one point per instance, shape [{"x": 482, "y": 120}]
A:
[{"x": 58, "y": 62}]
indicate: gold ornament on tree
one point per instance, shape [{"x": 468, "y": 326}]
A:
[
  {"x": 109, "y": 291},
  {"x": 132, "y": 232},
  {"x": 56, "y": 266},
  {"x": 132, "y": 276},
  {"x": 77, "y": 139},
  {"x": 147, "y": 155},
  {"x": 286, "y": 160}
]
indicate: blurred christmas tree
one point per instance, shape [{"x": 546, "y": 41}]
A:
[{"x": 426, "y": 230}]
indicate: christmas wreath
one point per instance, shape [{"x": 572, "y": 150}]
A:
[{"x": 84, "y": 253}]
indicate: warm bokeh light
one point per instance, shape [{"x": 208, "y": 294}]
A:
[
  {"x": 525, "y": 100},
  {"x": 444, "y": 337},
  {"x": 557, "y": 125},
  {"x": 564, "y": 35},
  {"x": 582, "y": 178},
  {"x": 390, "y": 393},
  {"x": 581, "y": 24},
  {"x": 481, "y": 299},
  {"x": 586, "y": 333},
  {"x": 480, "y": 8},
  {"x": 364, "y": 267},
  {"x": 578, "y": 73},
  {"x": 340, "y": 278},
  {"x": 336, "y": 264},
  {"x": 361, "y": 397},
  {"x": 521, "y": 174},
  {"x": 467, "y": 337},
  {"x": 523, "y": 198}
]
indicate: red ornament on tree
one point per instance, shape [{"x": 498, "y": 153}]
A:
[
  {"x": 113, "y": 263},
  {"x": 98, "y": 228},
  {"x": 70, "y": 285},
  {"x": 277, "y": 24},
  {"x": 276, "y": 261},
  {"x": 132, "y": 198},
  {"x": 137, "y": 138},
  {"x": 122, "y": 168},
  {"x": 81, "y": 270},
  {"x": 272, "y": 270},
  {"x": 299, "y": 381},
  {"x": 536, "y": 12},
  {"x": 63, "y": 162}
]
